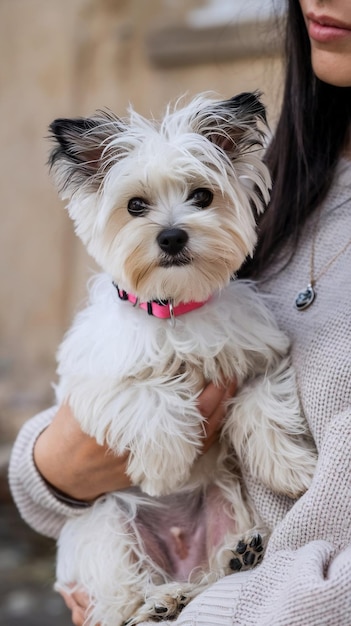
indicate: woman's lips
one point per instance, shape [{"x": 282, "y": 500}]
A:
[{"x": 324, "y": 29}]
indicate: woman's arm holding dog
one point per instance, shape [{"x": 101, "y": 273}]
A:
[
  {"x": 76, "y": 465},
  {"x": 52, "y": 449}
]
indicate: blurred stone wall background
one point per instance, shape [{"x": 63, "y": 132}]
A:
[{"x": 67, "y": 58}]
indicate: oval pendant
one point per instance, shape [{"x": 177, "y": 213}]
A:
[{"x": 305, "y": 298}]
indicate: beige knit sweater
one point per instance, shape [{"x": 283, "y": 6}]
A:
[{"x": 305, "y": 577}]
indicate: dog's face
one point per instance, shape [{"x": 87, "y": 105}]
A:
[{"x": 167, "y": 209}]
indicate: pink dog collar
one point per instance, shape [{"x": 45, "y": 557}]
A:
[{"x": 163, "y": 309}]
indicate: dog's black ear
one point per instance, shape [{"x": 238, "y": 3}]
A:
[
  {"x": 235, "y": 125},
  {"x": 80, "y": 147},
  {"x": 78, "y": 141},
  {"x": 248, "y": 104}
]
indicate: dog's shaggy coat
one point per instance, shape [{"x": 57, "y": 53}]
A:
[{"x": 168, "y": 211}]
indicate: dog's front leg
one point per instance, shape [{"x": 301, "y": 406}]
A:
[
  {"x": 159, "y": 424},
  {"x": 161, "y": 460},
  {"x": 156, "y": 422},
  {"x": 267, "y": 430}
]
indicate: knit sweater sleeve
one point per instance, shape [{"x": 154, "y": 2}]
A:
[{"x": 34, "y": 500}]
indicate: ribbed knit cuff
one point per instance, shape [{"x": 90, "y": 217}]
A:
[
  {"x": 213, "y": 607},
  {"x": 217, "y": 604}
]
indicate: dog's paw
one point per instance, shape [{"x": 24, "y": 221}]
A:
[
  {"x": 247, "y": 553},
  {"x": 164, "y": 604}
]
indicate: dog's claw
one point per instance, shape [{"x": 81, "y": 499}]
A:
[{"x": 241, "y": 547}]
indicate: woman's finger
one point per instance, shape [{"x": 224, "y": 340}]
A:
[
  {"x": 77, "y": 602},
  {"x": 213, "y": 397},
  {"x": 210, "y": 398},
  {"x": 78, "y": 616},
  {"x": 68, "y": 598},
  {"x": 215, "y": 419}
]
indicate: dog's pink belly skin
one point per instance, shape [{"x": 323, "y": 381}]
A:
[
  {"x": 218, "y": 521},
  {"x": 180, "y": 537}
]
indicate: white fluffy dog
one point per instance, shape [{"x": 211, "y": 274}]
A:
[{"x": 168, "y": 211}]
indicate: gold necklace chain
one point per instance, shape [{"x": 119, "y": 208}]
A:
[{"x": 305, "y": 297}]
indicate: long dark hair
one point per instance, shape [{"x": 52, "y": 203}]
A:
[{"x": 311, "y": 133}]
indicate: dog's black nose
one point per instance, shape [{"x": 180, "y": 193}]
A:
[{"x": 172, "y": 240}]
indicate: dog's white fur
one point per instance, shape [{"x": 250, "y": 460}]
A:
[{"x": 133, "y": 380}]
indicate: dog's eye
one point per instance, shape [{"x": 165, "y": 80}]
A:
[
  {"x": 202, "y": 197},
  {"x": 137, "y": 207}
]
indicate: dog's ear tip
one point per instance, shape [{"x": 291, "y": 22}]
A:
[
  {"x": 246, "y": 97},
  {"x": 58, "y": 127},
  {"x": 54, "y": 126},
  {"x": 249, "y": 97},
  {"x": 78, "y": 125},
  {"x": 250, "y": 101},
  {"x": 60, "y": 122}
]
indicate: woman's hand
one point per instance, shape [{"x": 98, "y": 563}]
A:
[
  {"x": 77, "y": 602},
  {"x": 75, "y": 463}
]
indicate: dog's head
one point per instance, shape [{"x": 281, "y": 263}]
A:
[{"x": 166, "y": 208}]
